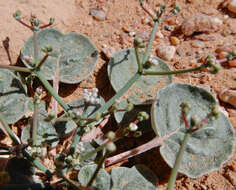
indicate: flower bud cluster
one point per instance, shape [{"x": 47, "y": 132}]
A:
[{"x": 91, "y": 97}]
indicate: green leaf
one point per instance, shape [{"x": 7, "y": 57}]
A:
[
  {"x": 138, "y": 177},
  {"x": 13, "y": 100},
  {"x": 122, "y": 66},
  {"x": 208, "y": 148},
  {"x": 102, "y": 181},
  {"x": 78, "y": 56},
  {"x": 46, "y": 133}
]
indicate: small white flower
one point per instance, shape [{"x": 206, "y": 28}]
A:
[
  {"x": 133, "y": 127},
  {"x": 97, "y": 101},
  {"x": 95, "y": 90},
  {"x": 92, "y": 100},
  {"x": 85, "y": 91}
]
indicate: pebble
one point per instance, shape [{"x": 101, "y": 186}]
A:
[
  {"x": 145, "y": 20},
  {"x": 98, "y": 14},
  {"x": 232, "y": 6},
  {"x": 198, "y": 44},
  {"x": 179, "y": 51},
  {"x": 232, "y": 63},
  {"x": 132, "y": 34},
  {"x": 108, "y": 51},
  {"x": 174, "y": 40},
  {"x": 228, "y": 96},
  {"x": 159, "y": 34},
  {"x": 166, "y": 52},
  {"x": 200, "y": 23}
]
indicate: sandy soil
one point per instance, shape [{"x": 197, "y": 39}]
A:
[{"x": 73, "y": 15}]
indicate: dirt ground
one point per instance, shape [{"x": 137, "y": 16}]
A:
[{"x": 122, "y": 17}]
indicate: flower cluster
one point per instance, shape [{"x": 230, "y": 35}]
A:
[{"x": 91, "y": 97}]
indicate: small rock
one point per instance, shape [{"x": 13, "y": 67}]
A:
[
  {"x": 132, "y": 34},
  {"x": 159, "y": 34},
  {"x": 232, "y": 63},
  {"x": 108, "y": 51},
  {"x": 231, "y": 176},
  {"x": 179, "y": 51},
  {"x": 174, "y": 40},
  {"x": 169, "y": 28},
  {"x": 232, "y": 6},
  {"x": 205, "y": 37},
  {"x": 98, "y": 14},
  {"x": 166, "y": 52},
  {"x": 228, "y": 96},
  {"x": 198, "y": 44},
  {"x": 200, "y": 23},
  {"x": 145, "y": 20}
]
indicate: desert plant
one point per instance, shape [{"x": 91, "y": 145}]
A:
[{"x": 71, "y": 58}]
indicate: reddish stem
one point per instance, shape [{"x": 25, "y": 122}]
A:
[
  {"x": 26, "y": 25},
  {"x": 185, "y": 121},
  {"x": 143, "y": 148},
  {"x": 45, "y": 26},
  {"x": 147, "y": 11}
]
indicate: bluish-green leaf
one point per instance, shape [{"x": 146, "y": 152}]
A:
[
  {"x": 209, "y": 147},
  {"x": 122, "y": 66},
  {"x": 76, "y": 54}
]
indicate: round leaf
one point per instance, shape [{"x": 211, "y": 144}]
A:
[
  {"x": 123, "y": 65},
  {"x": 76, "y": 54},
  {"x": 209, "y": 147},
  {"x": 46, "y": 133},
  {"x": 102, "y": 181},
  {"x": 13, "y": 101},
  {"x": 138, "y": 177}
]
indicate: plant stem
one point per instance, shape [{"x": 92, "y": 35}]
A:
[
  {"x": 152, "y": 37},
  {"x": 42, "y": 61},
  {"x": 47, "y": 85},
  {"x": 97, "y": 169},
  {"x": 118, "y": 95},
  {"x": 8, "y": 130},
  {"x": 16, "y": 68},
  {"x": 90, "y": 154},
  {"x": 36, "y": 162},
  {"x": 105, "y": 107},
  {"x": 173, "y": 72},
  {"x": 179, "y": 157},
  {"x": 35, "y": 36},
  {"x": 35, "y": 123},
  {"x": 140, "y": 65},
  {"x": 157, "y": 141},
  {"x": 56, "y": 85}
]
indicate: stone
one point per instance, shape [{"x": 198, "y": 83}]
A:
[
  {"x": 98, "y": 14},
  {"x": 228, "y": 96},
  {"x": 166, "y": 52},
  {"x": 159, "y": 34},
  {"x": 200, "y": 23},
  {"x": 232, "y": 6},
  {"x": 174, "y": 40},
  {"x": 198, "y": 44},
  {"x": 108, "y": 51}
]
